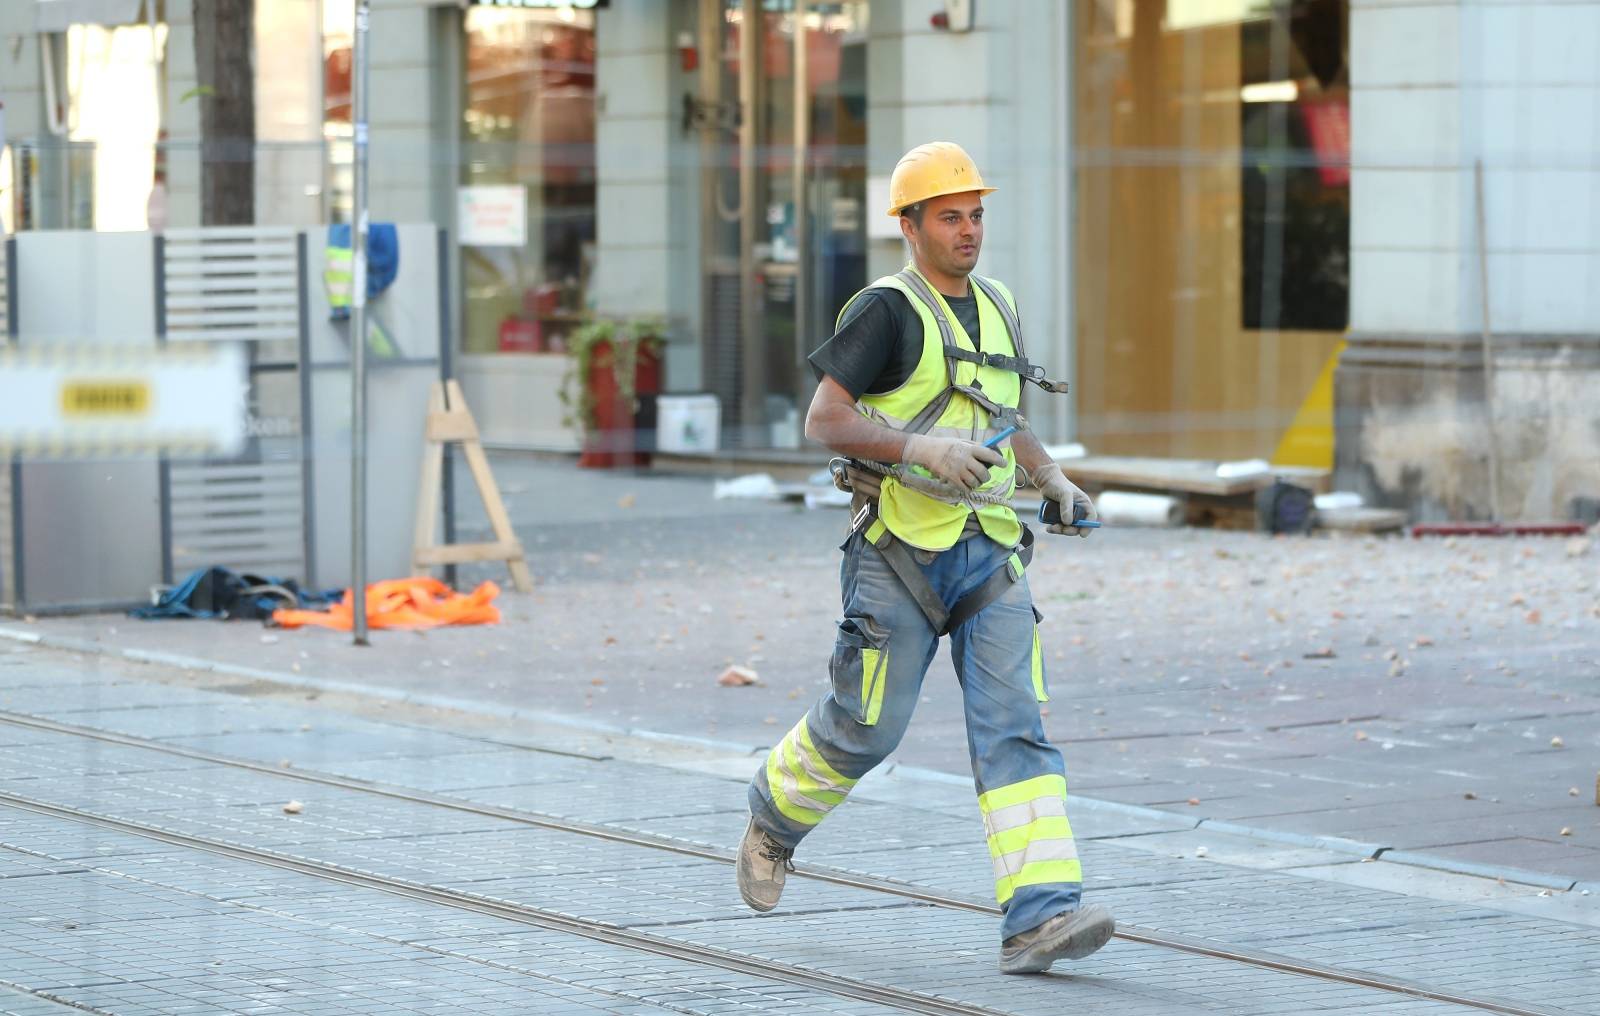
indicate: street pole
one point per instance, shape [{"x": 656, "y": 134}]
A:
[{"x": 358, "y": 338}]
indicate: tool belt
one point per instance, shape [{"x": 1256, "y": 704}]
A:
[{"x": 903, "y": 562}]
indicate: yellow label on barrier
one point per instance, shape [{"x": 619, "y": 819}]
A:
[{"x": 105, "y": 398}]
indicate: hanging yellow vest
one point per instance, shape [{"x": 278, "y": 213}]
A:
[{"x": 912, "y": 516}]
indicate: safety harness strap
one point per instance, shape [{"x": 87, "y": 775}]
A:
[
  {"x": 1028, "y": 371},
  {"x": 995, "y": 586},
  {"x": 911, "y": 576}
]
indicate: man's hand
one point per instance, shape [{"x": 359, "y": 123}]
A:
[
  {"x": 1053, "y": 485},
  {"x": 956, "y": 462}
]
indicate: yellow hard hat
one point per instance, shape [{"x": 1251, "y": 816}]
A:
[{"x": 927, "y": 171}]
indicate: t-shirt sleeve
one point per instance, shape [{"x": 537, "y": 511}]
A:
[{"x": 863, "y": 347}]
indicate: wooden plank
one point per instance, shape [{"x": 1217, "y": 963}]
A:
[
  {"x": 426, "y": 522},
  {"x": 451, "y": 427},
  {"x": 468, "y": 553},
  {"x": 450, "y": 421},
  {"x": 1189, "y": 476}
]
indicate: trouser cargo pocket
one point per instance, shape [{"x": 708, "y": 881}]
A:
[{"x": 860, "y": 667}]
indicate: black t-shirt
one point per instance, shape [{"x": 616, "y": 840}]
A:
[{"x": 879, "y": 342}]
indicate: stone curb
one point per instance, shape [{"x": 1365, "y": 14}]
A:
[{"x": 1335, "y": 844}]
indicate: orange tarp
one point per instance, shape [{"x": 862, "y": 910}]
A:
[{"x": 417, "y": 602}]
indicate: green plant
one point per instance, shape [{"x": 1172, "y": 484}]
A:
[{"x": 621, "y": 340}]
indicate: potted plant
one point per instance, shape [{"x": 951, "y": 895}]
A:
[{"x": 611, "y": 363}]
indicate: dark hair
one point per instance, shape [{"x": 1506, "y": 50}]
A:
[{"x": 914, "y": 213}]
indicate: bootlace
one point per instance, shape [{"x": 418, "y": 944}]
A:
[{"x": 772, "y": 850}]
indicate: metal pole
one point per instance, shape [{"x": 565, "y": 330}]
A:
[
  {"x": 802, "y": 210},
  {"x": 752, "y": 337},
  {"x": 358, "y": 338},
  {"x": 1484, "y": 334}
]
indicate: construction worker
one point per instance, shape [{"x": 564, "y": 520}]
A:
[{"x": 918, "y": 391}]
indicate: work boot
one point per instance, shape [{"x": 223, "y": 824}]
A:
[
  {"x": 763, "y": 863},
  {"x": 1072, "y": 936}
]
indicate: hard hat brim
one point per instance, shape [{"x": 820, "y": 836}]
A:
[{"x": 982, "y": 192}]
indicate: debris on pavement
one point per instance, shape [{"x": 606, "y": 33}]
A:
[
  {"x": 738, "y": 677},
  {"x": 752, "y": 486},
  {"x": 293, "y": 808}
]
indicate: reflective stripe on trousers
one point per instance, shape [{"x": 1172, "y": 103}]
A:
[
  {"x": 804, "y": 786},
  {"x": 1030, "y": 839}
]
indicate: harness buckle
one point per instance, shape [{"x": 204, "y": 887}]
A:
[{"x": 861, "y": 517}]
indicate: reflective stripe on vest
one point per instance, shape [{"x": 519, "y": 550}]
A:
[
  {"x": 338, "y": 276},
  {"x": 911, "y": 516}
]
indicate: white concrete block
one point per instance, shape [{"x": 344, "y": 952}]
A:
[
  {"x": 401, "y": 36},
  {"x": 399, "y": 97},
  {"x": 1544, "y": 292},
  {"x": 633, "y": 149},
  {"x": 1543, "y": 210},
  {"x": 1539, "y": 126},
  {"x": 633, "y": 215},
  {"x": 1534, "y": 43},
  {"x": 635, "y": 85},
  {"x": 1412, "y": 45},
  {"x": 967, "y": 126},
  {"x": 1407, "y": 209},
  {"x": 401, "y": 204},
  {"x": 636, "y": 28},
  {"x": 1406, "y": 291},
  {"x": 403, "y": 156},
  {"x": 1405, "y": 127},
  {"x": 948, "y": 68},
  {"x": 631, "y": 280}
]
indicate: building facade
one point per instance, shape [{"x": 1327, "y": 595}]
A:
[{"x": 1238, "y": 227}]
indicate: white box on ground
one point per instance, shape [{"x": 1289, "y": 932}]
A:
[{"x": 688, "y": 423}]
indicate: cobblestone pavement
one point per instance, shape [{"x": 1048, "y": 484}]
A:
[
  {"x": 1438, "y": 698},
  {"x": 121, "y": 923}
]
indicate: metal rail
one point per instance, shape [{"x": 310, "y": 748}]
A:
[
  {"x": 771, "y": 970},
  {"x": 834, "y": 876}
]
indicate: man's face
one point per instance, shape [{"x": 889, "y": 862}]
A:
[{"x": 951, "y": 234}]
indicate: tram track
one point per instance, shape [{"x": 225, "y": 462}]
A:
[{"x": 830, "y": 983}]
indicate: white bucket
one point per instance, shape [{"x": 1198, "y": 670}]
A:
[{"x": 688, "y": 423}]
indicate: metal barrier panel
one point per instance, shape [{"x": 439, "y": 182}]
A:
[{"x": 241, "y": 285}]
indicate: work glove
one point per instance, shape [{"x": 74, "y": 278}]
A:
[
  {"x": 955, "y": 461},
  {"x": 1053, "y": 485}
]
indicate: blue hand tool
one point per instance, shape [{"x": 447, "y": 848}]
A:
[
  {"x": 994, "y": 442},
  {"x": 1050, "y": 515}
]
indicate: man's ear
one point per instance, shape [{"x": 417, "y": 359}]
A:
[{"x": 908, "y": 230}]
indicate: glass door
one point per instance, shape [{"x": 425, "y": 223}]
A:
[{"x": 782, "y": 113}]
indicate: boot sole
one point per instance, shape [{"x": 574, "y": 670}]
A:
[
  {"x": 1074, "y": 943},
  {"x": 755, "y": 904}
]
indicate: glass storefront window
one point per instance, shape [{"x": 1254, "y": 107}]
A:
[
  {"x": 1212, "y": 190},
  {"x": 528, "y": 121},
  {"x": 113, "y": 110}
]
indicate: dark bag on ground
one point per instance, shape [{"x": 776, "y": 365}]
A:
[{"x": 218, "y": 592}]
